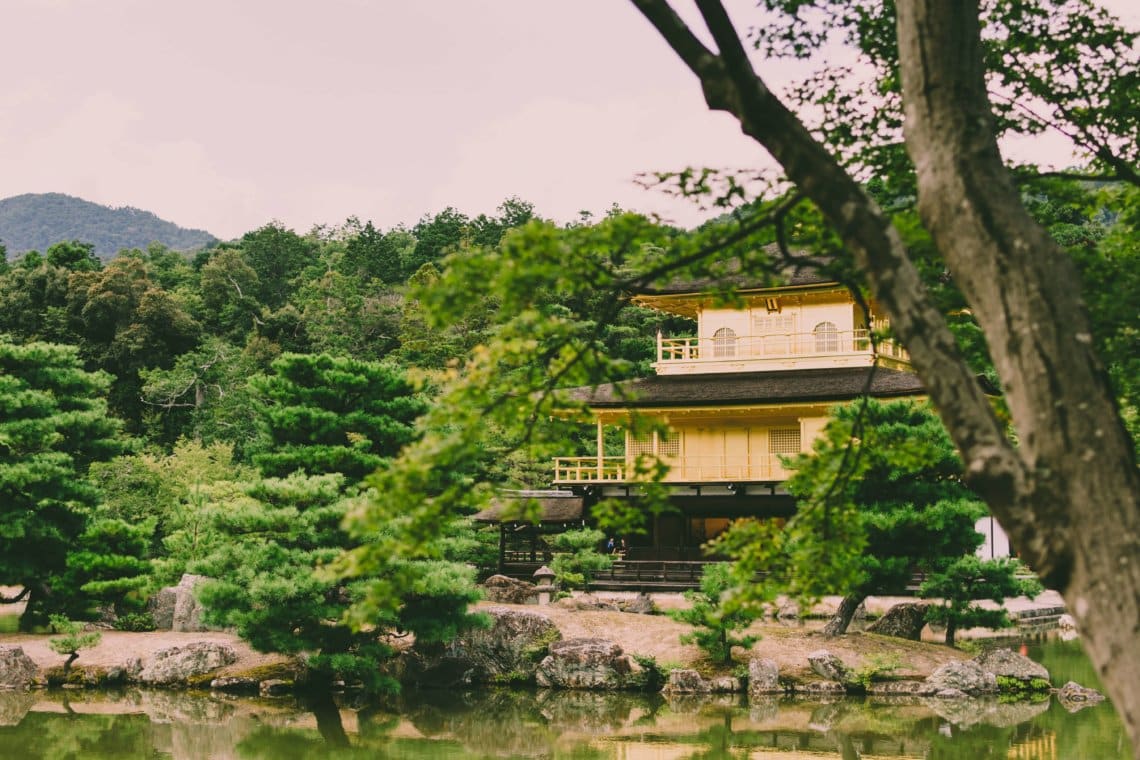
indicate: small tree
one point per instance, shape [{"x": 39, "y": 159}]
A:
[
  {"x": 714, "y": 616},
  {"x": 72, "y": 640},
  {"x": 578, "y": 558},
  {"x": 969, "y": 579}
]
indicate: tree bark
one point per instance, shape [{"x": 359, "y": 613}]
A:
[
  {"x": 951, "y": 632},
  {"x": 1076, "y": 514},
  {"x": 841, "y": 620},
  {"x": 1069, "y": 494}
]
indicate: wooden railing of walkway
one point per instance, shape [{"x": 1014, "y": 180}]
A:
[{"x": 639, "y": 575}]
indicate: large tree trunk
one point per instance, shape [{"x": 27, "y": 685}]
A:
[
  {"x": 841, "y": 620},
  {"x": 1075, "y": 509},
  {"x": 1069, "y": 494}
]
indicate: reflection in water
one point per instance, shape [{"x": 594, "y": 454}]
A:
[{"x": 556, "y": 724}]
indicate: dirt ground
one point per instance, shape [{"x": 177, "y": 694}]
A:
[
  {"x": 789, "y": 645},
  {"x": 651, "y": 635},
  {"x": 116, "y": 647}
]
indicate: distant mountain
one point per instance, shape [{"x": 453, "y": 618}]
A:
[{"x": 37, "y": 220}]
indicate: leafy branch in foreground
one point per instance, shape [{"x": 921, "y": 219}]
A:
[{"x": 557, "y": 294}]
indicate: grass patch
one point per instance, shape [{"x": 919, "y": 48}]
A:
[{"x": 9, "y": 623}]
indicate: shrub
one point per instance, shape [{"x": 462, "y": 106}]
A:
[{"x": 714, "y": 616}]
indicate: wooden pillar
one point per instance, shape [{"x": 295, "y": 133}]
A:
[
  {"x": 601, "y": 450},
  {"x": 502, "y": 548}
]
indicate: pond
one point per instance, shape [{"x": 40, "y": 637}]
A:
[{"x": 62, "y": 725}]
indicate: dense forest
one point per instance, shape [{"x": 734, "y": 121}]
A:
[{"x": 36, "y": 221}]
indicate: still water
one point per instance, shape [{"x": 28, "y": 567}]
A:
[{"x": 143, "y": 724}]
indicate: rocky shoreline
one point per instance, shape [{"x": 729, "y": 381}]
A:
[{"x": 558, "y": 647}]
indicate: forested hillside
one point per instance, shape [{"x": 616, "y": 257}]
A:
[{"x": 35, "y": 221}]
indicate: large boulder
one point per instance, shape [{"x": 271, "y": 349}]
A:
[
  {"x": 964, "y": 676},
  {"x": 17, "y": 671},
  {"x": 187, "y": 609},
  {"x": 828, "y": 666},
  {"x": 685, "y": 681},
  {"x": 763, "y": 677},
  {"x": 1004, "y": 662},
  {"x": 161, "y": 607},
  {"x": 904, "y": 688},
  {"x": 903, "y": 621},
  {"x": 588, "y": 603},
  {"x": 177, "y": 665},
  {"x": 726, "y": 685},
  {"x": 588, "y": 664},
  {"x": 639, "y": 605},
  {"x": 508, "y": 651},
  {"x": 506, "y": 590}
]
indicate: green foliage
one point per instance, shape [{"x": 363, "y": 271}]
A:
[
  {"x": 127, "y": 323},
  {"x": 277, "y": 256},
  {"x": 73, "y": 256},
  {"x": 330, "y": 414},
  {"x": 879, "y": 498},
  {"x": 108, "y": 564},
  {"x": 877, "y": 668},
  {"x": 135, "y": 622},
  {"x": 264, "y": 559},
  {"x": 715, "y": 616},
  {"x": 33, "y": 302},
  {"x": 1012, "y": 689},
  {"x": 372, "y": 255},
  {"x": 176, "y": 498},
  {"x": 578, "y": 557},
  {"x": 53, "y": 425},
  {"x": 268, "y": 544},
  {"x": 205, "y": 395},
  {"x": 347, "y": 315},
  {"x": 970, "y": 578},
  {"x": 654, "y": 674}
]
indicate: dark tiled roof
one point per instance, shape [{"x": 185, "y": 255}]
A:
[
  {"x": 554, "y": 507},
  {"x": 738, "y": 283},
  {"x": 749, "y": 388},
  {"x": 790, "y": 275}
]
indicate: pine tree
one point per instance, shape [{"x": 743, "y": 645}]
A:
[
  {"x": 53, "y": 425},
  {"x": 333, "y": 414}
]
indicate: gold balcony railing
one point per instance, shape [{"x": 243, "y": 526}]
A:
[
  {"x": 775, "y": 346},
  {"x": 689, "y": 469},
  {"x": 589, "y": 469}
]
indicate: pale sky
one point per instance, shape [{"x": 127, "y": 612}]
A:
[{"x": 226, "y": 114}]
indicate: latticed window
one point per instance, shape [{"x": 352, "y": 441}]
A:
[
  {"x": 773, "y": 333},
  {"x": 639, "y": 444},
  {"x": 826, "y": 337},
  {"x": 667, "y": 445},
  {"x": 773, "y": 324},
  {"x": 724, "y": 342},
  {"x": 784, "y": 440}
]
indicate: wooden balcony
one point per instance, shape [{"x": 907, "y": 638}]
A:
[
  {"x": 761, "y": 468},
  {"x": 742, "y": 353},
  {"x": 589, "y": 470}
]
